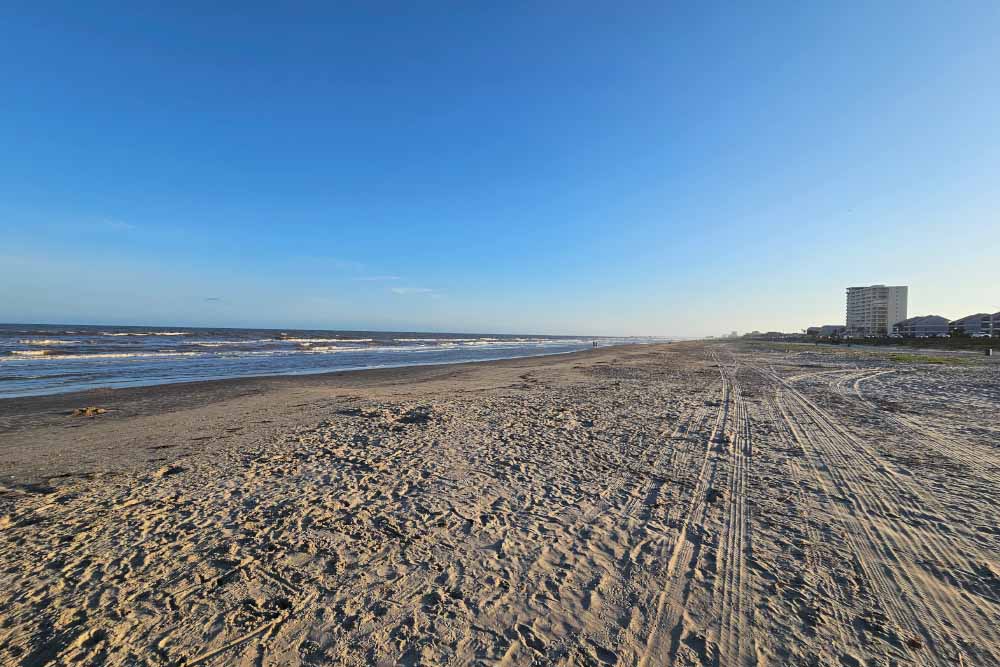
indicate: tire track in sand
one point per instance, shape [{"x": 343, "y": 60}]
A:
[
  {"x": 876, "y": 498},
  {"x": 980, "y": 461},
  {"x": 668, "y": 626},
  {"x": 734, "y": 636}
]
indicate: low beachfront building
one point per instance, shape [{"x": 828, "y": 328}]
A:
[
  {"x": 832, "y": 330},
  {"x": 827, "y": 331},
  {"x": 922, "y": 326},
  {"x": 970, "y": 325}
]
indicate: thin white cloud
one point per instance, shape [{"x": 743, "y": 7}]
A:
[
  {"x": 117, "y": 225},
  {"x": 411, "y": 290},
  {"x": 374, "y": 279}
]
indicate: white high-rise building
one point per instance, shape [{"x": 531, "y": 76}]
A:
[{"x": 871, "y": 311}]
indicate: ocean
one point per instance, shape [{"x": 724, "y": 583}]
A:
[{"x": 49, "y": 359}]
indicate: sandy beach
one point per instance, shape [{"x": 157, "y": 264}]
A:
[{"x": 680, "y": 504}]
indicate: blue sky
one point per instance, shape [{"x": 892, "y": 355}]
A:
[{"x": 566, "y": 167}]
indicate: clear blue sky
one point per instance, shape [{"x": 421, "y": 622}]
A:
[{"x": 563, "y": 167}]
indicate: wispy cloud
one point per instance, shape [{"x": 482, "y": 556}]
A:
[
  {"x": 373, "y": 279},
  {"x": 117, "y": 225},
  {"x": 411, "y": 290},
  {"x": 213, "y": 298}
]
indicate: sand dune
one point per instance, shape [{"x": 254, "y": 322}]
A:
[{"x": 683, "y": 504}]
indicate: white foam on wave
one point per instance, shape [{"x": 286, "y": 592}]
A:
[
  {"x": 221, "y": 343},
  {"x": 322, "y": 340},
  {"x": 479, "y": 341},
  {"x": 147, "y": 333},
  {"x": 205, "y": 349},
  {"x": 49, "y": 355},
  {"x": 518, "y": 341},
  {"x": 434, "y": 340},
  {"x": 45, "y": 341}
]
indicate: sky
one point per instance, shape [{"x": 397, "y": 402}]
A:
[{"x": 639, "y": 168}]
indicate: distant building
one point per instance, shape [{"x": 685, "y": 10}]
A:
[
  {"x": 827, "y": 331},
  {"x": 972, "y": 324},
  {"x": 873, "y": 310},
  {"x": 922, "y": 326},
  {"x": 995, "y": 323},
  {"x": 780, "y": 335},
  {"x": 773, "y": 335}
]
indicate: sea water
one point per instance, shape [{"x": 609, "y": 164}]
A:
[{"x": 47, "y": 359}]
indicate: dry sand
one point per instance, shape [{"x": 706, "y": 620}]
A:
[{"x": 684, "y": 504}]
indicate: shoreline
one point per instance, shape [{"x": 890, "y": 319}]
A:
[
  {"x": 39, "y": 360},
  {"x": 10, "y": 405},
  {"x": 299, "y": 374},
  {"x": 35, "y": 451}
]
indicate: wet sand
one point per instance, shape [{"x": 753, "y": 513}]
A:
[{"x": 688, "y": 504}]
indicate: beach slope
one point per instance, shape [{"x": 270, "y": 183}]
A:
[{"x": 688, "y": 504}]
